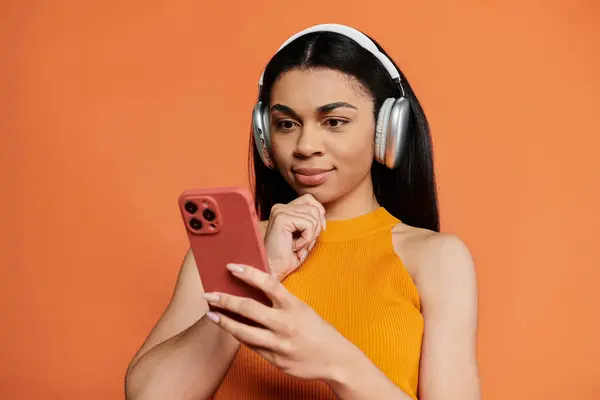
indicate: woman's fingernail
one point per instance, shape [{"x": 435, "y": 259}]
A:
[
  {"x": 212, "y": 316},
  {"x": 211, "y": 296},
  {"x": 312, "y": 245},
  {"x": 235, "y": 268},
  {"x": 324, "y": 223},
  {"x": 303, "y": 254}
]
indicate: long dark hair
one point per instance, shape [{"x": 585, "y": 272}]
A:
[{"x": 407, "y": 192}]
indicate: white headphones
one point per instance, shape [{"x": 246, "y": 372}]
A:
[{"x": 393, "y": 116}]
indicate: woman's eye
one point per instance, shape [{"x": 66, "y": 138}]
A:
[
  {"x": 335, "y": 123},
  {"x": 285, "y": 125}
]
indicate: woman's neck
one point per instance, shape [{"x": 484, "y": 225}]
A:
[{"x": 361, "y": 200}]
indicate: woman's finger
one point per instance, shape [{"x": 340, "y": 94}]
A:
[
  {"x": 269, "y": 284},
  {"x": 309, "y": 209},
  {"x": 266, "y": 316},
  {"x": 308, "y": 236},
  {"x": 293, "y": 221},
  {"x": 309, "y": 199},
  {"x": 267, "y": 354},
  {"x": 249, "y": 335}
]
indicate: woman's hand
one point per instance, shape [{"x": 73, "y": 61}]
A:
[
  {"x": 294, "y": 339},
  {"x": 291, "y": 233}
]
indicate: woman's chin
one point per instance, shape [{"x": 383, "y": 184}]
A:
[{"x": 321, "y": 193}]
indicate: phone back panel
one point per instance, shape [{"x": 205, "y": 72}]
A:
[{"x": 222, "y": 228}]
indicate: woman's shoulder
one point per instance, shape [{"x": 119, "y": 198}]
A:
[{"x": 439, "y": 263}]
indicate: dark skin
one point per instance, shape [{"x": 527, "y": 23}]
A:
[{"x": 320, "y": 119}]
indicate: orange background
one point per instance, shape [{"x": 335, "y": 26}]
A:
[{"x": 110, "y": 108}]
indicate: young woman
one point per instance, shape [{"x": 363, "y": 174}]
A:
[{"x": 370, "y": 300}]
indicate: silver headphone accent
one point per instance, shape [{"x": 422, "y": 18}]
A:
[{"x": 392, "y": 119}]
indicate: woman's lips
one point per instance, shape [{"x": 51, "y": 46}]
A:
[{"x": 311, "y": 176}]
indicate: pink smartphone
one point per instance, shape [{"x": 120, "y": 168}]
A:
[{"x": 222, "y": 228}]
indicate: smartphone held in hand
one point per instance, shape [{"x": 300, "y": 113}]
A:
[{"x": 222, "y": 228}]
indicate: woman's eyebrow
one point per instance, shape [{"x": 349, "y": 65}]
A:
[
  {"x": 332, "y": 106},
  {"x": 319, "y": 110},
  {"x": 285, "y": 110}
]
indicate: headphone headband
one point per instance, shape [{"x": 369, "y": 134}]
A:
[
  {"x": 392, "y": 120},
  {"x": 359, "y": 37}
]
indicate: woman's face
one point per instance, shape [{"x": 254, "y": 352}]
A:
[{"x": 322, "y": 133}]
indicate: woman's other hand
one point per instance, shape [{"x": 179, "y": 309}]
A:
[{"x": 291, "y": 233}]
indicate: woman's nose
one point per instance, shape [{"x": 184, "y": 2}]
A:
[{"x": 309, "y": 142}]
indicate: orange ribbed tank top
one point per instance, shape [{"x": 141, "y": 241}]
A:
[{"x": 355, "y": 280}]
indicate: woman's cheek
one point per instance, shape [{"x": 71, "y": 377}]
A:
[{"x": 358, "y": 157}]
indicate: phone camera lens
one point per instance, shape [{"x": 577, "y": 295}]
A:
[
  {"x": 195, "y": 224},
  {"x": 191, "y": 207},
  {"x": 209, "y": 215}
]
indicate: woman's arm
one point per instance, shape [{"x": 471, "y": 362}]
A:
[
  {"x": 448, "y": 290},
  {"x": 358, "y": 378},
  {"x": 185, "y": 356}
]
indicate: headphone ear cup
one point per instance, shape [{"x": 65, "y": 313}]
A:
[
  {"x": 381, "y": 130},
  {"x": 266, "y": 123},
  {"x": 399, "y": 118},
  {"x": 260, "y": 130}
]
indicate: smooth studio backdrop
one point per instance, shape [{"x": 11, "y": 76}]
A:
[{"x": 109, "y": 109}]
